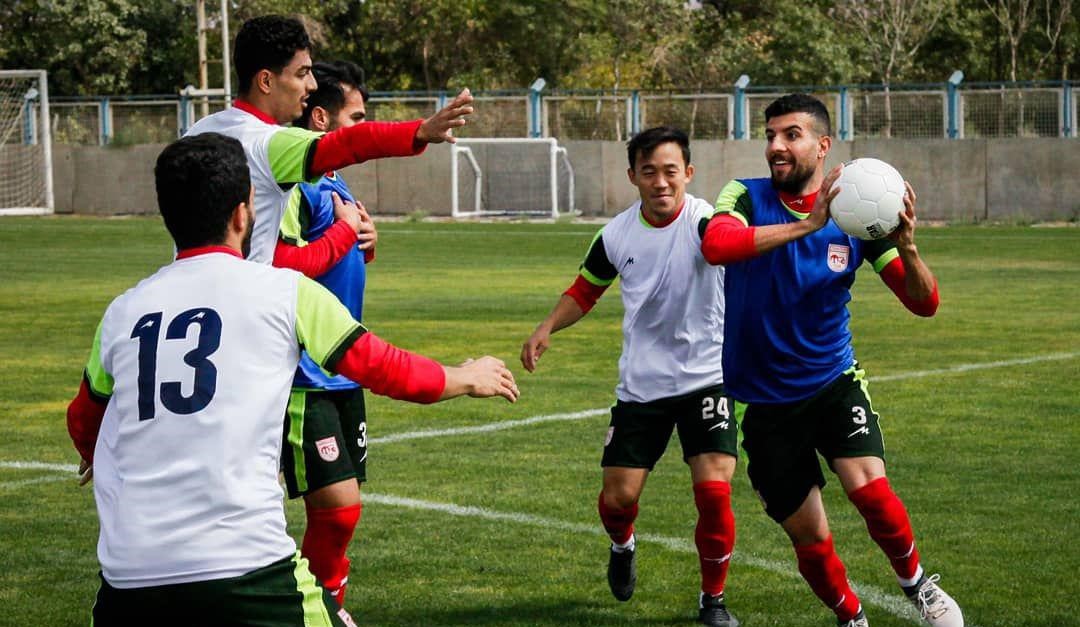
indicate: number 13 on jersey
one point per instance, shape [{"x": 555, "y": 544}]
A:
[{"x": 148, "y": 333}]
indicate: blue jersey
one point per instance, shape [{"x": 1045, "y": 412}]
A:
[
  {"x": 786, "y": 327},
  {"x": 308, "y": 213}
]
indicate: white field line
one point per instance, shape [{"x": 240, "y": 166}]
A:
[
  {"x": 872, "y": 595},
  {"x": 589, "y": 413}
]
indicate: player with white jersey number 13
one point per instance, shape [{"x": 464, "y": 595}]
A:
[
  {"x": 788, "y": 354},
  {"x": 181, "y": 403},
  {"x": 669, "y": 372}
]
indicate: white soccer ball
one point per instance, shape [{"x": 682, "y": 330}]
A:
[{"x": 871, "y": 199}]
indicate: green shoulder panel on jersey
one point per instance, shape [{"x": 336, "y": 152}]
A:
[
  {"x": 879, "y": 252},
  {"x": 735, "y": 200},
  {"x": 596, "y": 268},
  {"x": 323, "y": 325},
  {"x": 100, "y": 381},
  {"x": 292, "y": 221},
  {"x": 289, "y": 152}
]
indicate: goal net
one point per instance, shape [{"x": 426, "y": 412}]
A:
[
  {"x": 510, "y": 176},
  {"x": 25, "y": 143}
]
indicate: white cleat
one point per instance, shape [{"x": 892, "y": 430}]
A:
[
  {"x": 858, "y": 621},
  {"x": 934, "y": 605}
]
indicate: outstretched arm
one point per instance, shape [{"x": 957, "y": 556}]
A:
[
  {"x": 566, "y": 312},
  {"x": 373, "y": 140}
]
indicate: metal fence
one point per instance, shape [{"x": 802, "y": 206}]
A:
[{"x": 949, "y": 110}]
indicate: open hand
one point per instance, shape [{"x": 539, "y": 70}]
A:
[{"x": 440, "y": 127}]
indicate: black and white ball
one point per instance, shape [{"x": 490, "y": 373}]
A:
[{"x": 871, "y": 199}]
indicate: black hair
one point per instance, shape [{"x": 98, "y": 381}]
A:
[
  {"x": 267, "y": 42},
  {"x": 200, "y": 180},
  {"x": 330, "y": 95},
  {"x": 801, "y": 103},
  {"x": 646, "y": 142}
]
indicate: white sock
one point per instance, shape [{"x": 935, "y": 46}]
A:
[
  {"x": 907, "y": 583},
  {"x": 626, "y": 546}
]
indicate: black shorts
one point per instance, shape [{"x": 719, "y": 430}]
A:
[
  {"x": 782, "y": 440},
  {"x": 638, "y": 433},
  {"x": 325, "y": 439},
  {"x": 283, "y": 594}
]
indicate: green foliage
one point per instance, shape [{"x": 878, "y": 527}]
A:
[{"x": 124, "y": 46}]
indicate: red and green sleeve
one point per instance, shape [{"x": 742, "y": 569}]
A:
[
  {"x": 87, "y": 409},
  {"x": 886, "y": 261},
  {"x": 342, "y": 345},
  {"x": 728, "y": 236},
  {"x": 313, "y": 259},
  {"x": 596, "y": 274}
]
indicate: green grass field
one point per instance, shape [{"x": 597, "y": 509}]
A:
[{"x": 498, "y": 527}]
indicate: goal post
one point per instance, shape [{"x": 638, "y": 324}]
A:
[
  {"x": 26, "y": 188},
  {"x": 502, "y": 176}
]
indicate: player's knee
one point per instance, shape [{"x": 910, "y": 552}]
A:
[{"x": 619, "y": 497}]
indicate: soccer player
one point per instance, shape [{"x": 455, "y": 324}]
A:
[
  {"x": 325, "y": 451},
  {"x": 670, "y": 369},
  {"x": 180, "y": 411},
  {"x": 273, "y": 66},
  {"x": 788, "y": 354}
]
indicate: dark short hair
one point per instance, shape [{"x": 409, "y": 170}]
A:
[
  {"x": 645, "y": 142},
  {"x": 200, "y": 179},
  {"x": 801, "y": 103},
  {"x": 267, "y": 42},
  {"x": 330, "y": 95}
]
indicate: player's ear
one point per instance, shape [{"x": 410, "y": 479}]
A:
[
  {"x": 689, "y": 172},
  {"x": 630, "y": 175},
  {"x": 264, "y": 80},
  {"x": 320, "y": 119},
  {"x": 824, "y": 145}
]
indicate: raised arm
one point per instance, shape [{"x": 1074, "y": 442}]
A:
[{"x": 907, "y": 275}]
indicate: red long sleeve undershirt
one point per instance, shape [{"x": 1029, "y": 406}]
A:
[
  {"x": 319, "y": 256},
  {"x": 728, "y": 240},
  {"x": 390, "y": 371},
  {"x": 362, "y": 142},
  {"x": 84, "y": 416},
  {"x": 585, "y": 294}
]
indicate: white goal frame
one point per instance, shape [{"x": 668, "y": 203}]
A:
[
  {"x": 42, "y": 136},
  {"x": 460, "y": 149}
]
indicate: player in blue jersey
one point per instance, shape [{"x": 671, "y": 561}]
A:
[
  {"x": 788, "y": 354},
  {"x": 325, "y": 446}
]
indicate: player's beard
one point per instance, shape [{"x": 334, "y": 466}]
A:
[
  {"x": 245, "y": 244},
  {"x": 795, "y": 181}
]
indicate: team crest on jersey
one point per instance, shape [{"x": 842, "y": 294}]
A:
[
  {"x": 328, "y": 449},
  {"x": 838, "y": 257}
]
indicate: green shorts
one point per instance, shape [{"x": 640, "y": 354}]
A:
[
  {"x": 325, "y": 439},
  {"x": 283, "y": 594},
  {"x": 638, "y": 433},
  {"x": 782, "y": 440}
]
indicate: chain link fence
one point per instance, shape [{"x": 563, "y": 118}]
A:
[{"x": 979, "y": 110}]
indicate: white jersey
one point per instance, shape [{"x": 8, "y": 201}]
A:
[
  {"x": 673, "y": 326},
  {"x": 276, "y": 157},
  {"x": 197, "y": 362}
]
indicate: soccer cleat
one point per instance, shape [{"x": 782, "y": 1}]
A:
[
  {"x": 622, "y": 573},
  {"x": 714, "y": 613},
  {"x": 858, "y": 621},
  {"x": 935, "y": 606}
]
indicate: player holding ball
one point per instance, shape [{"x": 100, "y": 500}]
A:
[{"x": 788, "y": 355}]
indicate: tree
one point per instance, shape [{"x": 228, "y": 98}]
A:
[{"x": 892, "y": 31}]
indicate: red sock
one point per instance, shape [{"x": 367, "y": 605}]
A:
[
  {"x": 619, "y": 523},
  {"x": 823, "y": 570},
  {"x": 889, "y": 525},
  {"x": 715, "y": 533},
  {"x": 328, "y": 534}
]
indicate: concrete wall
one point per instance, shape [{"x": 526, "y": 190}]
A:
[{"x": 963, "y": 180}]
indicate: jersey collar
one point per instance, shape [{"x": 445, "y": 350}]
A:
[
  {"x": 188, "y": 253},
  {"x": 247, "y": 107},
  {"x": 659, "y": 225},
  {"x": 798, "y": 206}
]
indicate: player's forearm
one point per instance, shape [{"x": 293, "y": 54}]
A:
[
  {"x": 566, "y": 312},
  {"x": 919, "y": 282},
  {"x": 912, "y": 290},
  {"x": 773, "y": 236},
  {"x": 362, "y": 142},
  {"x": 390, "y": 371},
  {"x": 84, "y": 416},
  {"x": 318, "y": 257}
]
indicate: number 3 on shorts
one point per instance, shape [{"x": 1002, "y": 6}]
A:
[
  {"x": 860, "y": 415},
  {"x": 713, "y": 407}
]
